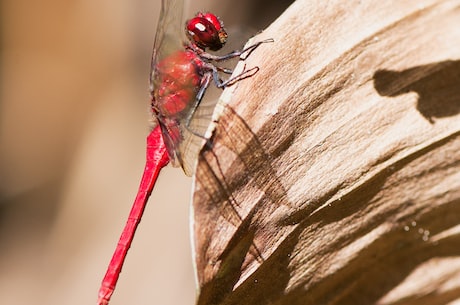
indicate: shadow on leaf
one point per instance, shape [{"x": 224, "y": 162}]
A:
[{"x": 437, "y": 85}]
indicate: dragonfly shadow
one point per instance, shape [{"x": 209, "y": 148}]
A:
[
  {"x": 217, "y": 200},
  {"x": 437, "y": 85}
]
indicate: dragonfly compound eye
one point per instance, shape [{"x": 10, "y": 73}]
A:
[
  {"x": 206, "y": 31},
  {"x": 218, "y": 24}
]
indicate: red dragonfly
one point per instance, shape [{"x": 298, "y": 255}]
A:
[{"x": 180, "y": 74}]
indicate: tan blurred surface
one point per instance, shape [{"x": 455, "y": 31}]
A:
[{"x": 73, "y": 121}]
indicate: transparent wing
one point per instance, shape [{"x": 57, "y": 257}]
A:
[
  {"x": 169, "y": 38},
  {"x": 170, "y": 33},
  {"x": 182, "y": 142},
  {"x": 191, "y": 144}
]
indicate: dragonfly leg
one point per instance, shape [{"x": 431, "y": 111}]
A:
[
  {"x": 243, "y": 54},
  {"x": 224, "y": 70},
  {"x": 231, "y": 81},
  {"x": 205, "y": 81},
  {"x": 213, "y": 71}
]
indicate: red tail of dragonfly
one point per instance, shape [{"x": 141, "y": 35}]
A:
[{"x": 180, "y": 74}]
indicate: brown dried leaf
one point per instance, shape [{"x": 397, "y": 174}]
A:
[{"x": 334, "y": 174}]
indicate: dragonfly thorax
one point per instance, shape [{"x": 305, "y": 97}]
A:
[{"x": 177, "y": 82}]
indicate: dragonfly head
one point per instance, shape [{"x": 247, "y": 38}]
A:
[{"x": 206, "y": 31}]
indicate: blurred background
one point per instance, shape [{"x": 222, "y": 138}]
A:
[{"x": 73, "y": 121}]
